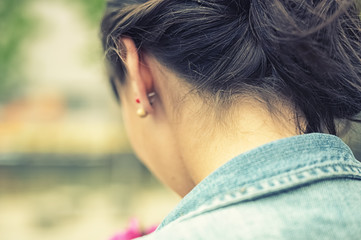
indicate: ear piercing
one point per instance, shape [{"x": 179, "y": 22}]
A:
[
  {"x": 151, "y": 97},
  {"x": 141, "y": 112}
]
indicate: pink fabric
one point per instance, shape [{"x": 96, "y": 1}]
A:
[{"x": 133, "y": 231}]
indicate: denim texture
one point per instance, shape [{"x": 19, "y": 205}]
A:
[{"x": 302, "y": 187}]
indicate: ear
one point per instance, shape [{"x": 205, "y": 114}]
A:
[{"x": 139, "y": 74}]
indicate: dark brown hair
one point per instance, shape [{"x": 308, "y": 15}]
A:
[{"x": 305, "y": 51}]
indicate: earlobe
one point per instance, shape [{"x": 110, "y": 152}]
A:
[{"x": 139, "y": 75}]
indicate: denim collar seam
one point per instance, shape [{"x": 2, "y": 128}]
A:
[
  {"x": 243, "y": 195},
  {"x": 307, "y": 165}
]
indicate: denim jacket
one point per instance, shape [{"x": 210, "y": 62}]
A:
[{"x": 302, "y": 187}]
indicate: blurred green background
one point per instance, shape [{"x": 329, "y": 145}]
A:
[{"x": 66, "y": 168}]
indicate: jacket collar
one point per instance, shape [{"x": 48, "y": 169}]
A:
[{"x": 269, "y": 160}]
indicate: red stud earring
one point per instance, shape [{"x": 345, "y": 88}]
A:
[
  {"x": 141, "y": 112},
  {"x": 150, "y": 96}
]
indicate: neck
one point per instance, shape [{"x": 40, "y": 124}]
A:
[{"x": 219, "y": 141}]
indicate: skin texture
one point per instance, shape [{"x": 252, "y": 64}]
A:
[{"x": 183, "y": 140}]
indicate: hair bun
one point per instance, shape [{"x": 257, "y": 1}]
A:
[{"x": 305, "y": 52}]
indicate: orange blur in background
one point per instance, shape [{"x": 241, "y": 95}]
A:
[{"x": 66, "y": 168}]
